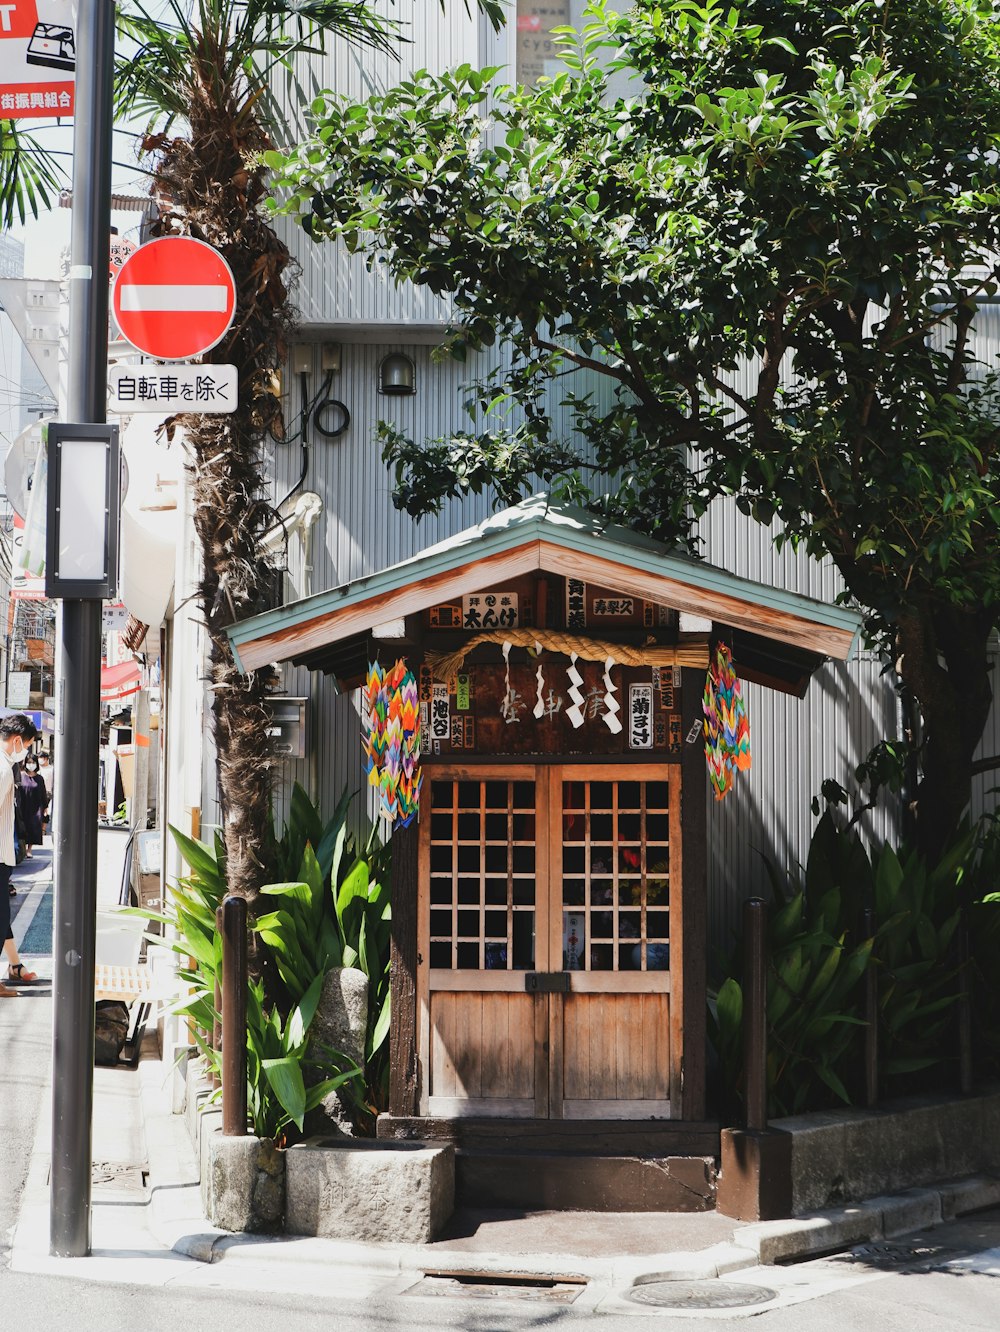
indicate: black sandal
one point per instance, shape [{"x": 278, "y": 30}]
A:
[
  {"x": 15, "y": 975},
  {"x": 12, "y": 891}
]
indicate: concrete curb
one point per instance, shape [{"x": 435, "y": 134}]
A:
[
  {"x": 876, "y": 1218},
  {"x": 177, "y": 1221}
]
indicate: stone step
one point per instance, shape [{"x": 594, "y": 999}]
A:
[{"x": 561, "y": 1181}]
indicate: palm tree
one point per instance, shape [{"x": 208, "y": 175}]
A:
[
  {"x": 29, "y": 174},
  {"x": 198, "y": 75}
]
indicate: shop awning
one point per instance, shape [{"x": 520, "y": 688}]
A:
[
  {"x": 121, "y": 681},
  {"x": 539, "y": 536}
]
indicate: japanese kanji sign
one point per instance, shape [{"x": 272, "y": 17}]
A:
[
  {"x": 490, "y": 610},
  {"x": 37, "y": 58},
  {"x": 174, "y": 298},
  {"x": 172, "y": 388}
]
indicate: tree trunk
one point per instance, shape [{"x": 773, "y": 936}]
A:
[
  {"x": 231, "y": 513},
  {"x": 944, "y": 663}
]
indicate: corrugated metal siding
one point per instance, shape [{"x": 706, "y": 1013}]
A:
[
  {"x": 360, "y": 531},
  {"x": 795, "y": 745},
  {"x": 337, "y": 287}
]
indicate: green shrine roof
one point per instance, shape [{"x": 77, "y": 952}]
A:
[{"x": 538, "y": 536}]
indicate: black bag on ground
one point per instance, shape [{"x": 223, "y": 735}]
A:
[{"x": 110, "y": 1030}]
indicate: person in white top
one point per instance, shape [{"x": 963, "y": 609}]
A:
[{"x": 16, "y": 733}]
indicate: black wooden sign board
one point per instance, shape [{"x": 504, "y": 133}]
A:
[{"x": 488, "y": 710}]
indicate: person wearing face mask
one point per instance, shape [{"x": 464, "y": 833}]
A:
[
  {"x": 16, "y": 733},
  {"x": 33, "y": 798}
]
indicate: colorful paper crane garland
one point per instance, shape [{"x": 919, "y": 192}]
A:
[
  {"x": 392, "y": 741},
  {"x": 727, "y": 729}
]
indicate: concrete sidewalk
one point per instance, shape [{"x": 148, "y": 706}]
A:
[{"x": 148, "y": 1226}]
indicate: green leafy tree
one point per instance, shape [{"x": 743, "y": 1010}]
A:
[{"x": 771, "y": 251}]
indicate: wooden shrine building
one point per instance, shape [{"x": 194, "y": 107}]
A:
[{"x": 549, "y": 969}]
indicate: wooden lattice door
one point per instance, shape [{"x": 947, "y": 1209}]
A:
[{"x": 544, "y": 946}]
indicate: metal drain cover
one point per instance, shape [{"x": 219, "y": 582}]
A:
[
  {"x": 709, "y": 1294},
  {"x": 894, "y": 1257},
  {"x": 488, "y": 1286}
]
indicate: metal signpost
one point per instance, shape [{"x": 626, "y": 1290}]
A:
[
  {"x": 173, "y": 298},
  {"x": 78, "y": 660}
]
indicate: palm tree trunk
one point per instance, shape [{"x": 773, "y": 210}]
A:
[{"x": 231, "y": 512}]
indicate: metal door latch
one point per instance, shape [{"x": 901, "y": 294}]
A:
[{"x": 546, "y": 982}]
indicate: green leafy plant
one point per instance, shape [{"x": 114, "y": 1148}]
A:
[
  {"x": 918, "y": 913},
  {"x": 189, "y": 914},
  {"x": 727, "y": 250},
  {"x": 812, "y": 1017},
  {"x": 817, "y": 953},
  {"x": 280, "y": 1060},
  {"x": 332, "y": 911}
]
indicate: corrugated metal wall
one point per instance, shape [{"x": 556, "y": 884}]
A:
[{"x": 360, "y": 530}]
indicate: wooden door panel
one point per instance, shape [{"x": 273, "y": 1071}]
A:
[
  {"x": 482, "y": 1053},
  {"x": 615, "y": 1055}
]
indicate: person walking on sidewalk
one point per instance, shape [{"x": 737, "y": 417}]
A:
[
  {"x": 16, "y": 733},
  {"x": 33, "y": 798}
]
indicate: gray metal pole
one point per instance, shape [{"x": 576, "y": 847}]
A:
[{"x": 78, "y": 662}]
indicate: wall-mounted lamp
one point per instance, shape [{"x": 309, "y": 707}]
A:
[
  {"x": 396, "y": 375},
  {"x": 81, "y": 539}
]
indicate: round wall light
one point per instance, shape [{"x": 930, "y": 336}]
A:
[{"x": 396, "y": 375}]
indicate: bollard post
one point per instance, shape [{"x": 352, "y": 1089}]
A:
[
  {"x": 965, "y": 1078},
  {"x": 755, "y": 1011},
  {"x": 231, "y": 922},
  {"x": 871, "y": 1017}
]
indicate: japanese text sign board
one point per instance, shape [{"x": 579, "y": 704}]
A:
[
  {"x": 37, "y": 58},
  {"x": 172, "y": 388},
  {"x": 174, "y": 298}
]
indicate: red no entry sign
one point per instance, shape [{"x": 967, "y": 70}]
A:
[{"x": 174, "y": 298}]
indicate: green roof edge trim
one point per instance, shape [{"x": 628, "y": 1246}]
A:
[{"x": 572, "y": 529}]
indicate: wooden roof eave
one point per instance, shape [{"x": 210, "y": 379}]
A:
[{"x": 457, "y": 569}]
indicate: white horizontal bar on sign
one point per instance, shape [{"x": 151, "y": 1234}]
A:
[
  {"x": 135, "y": 296},
  {"x": 168, "y": 389}
]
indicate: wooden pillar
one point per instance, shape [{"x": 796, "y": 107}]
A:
[
  {"x": 693, "y": 923},
  {"x": 403, "y": 1087}
]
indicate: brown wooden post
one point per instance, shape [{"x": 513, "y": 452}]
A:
[
  {"x": 755, "y": 1011},
  {"x": 755, "y": 1183},
  {"x": 965, "y": 1078},
  {"x": 871, "y": 1017},
  {"x": 693, "y": 942},
  {"x": 231, "y": 922},
  {"x": 403, "y": 1083}
]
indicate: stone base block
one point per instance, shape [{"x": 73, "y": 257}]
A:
[
  {"x": 356, "y": 1189},
  {"x": 755, "y": 1178},
  {"x": 246, "y": 1184},
  {"x": 840, "y": 1156}
]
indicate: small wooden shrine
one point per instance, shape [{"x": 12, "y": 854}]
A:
[{"x": 548, "y": 982}]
